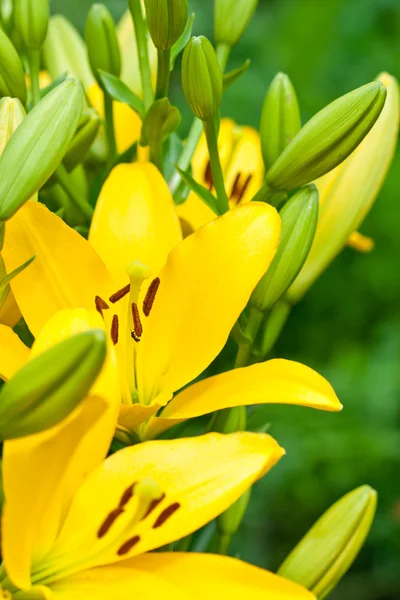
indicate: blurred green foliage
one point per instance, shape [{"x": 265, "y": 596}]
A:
[{"x": 348, "y": 327}]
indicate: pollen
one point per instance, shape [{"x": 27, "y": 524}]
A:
[
  {"x": 239, "y": 191},
  {"x": 150, "y": 296},
  {"x": 137, "y": 324},
  {"x": 109, "y": 521},
  {"x": 120, "y": 294},
  {"x": 128, "y": 545},
  {"x": 208, "y": 178},
  {"x": 100, "y": 304},
  {"x": 166, "y": 514},
  {"x": 115, "y": 330}
]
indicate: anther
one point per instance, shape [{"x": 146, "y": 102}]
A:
[
  {"x": 153, "y": 504},
  {"x": 127, "y": 495},
  {"x": 137, "y": 324},
  {"x": 166, "y": 514},
  {"x": 120, "y": 294},
  {"x": 150, "y": 296},
  {"x": 128, "y": 545},
  {"x": 115, "y": 330},
  {"x": 100, "y": 304},
  {"x": 109, "y": 521},
  {"x": 208, "y": 178},
  {"x": 238, "y": 192}
]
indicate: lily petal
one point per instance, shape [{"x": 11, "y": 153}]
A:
[
  {"x": 198, "y": 479},
  {"x": 41, "y": 472},
  {"x": 205, "y": 285},
  {"x": 135, "y": 219},
  {"x": 9, "y": 312},
  {"x": 66, "y": 273},
  {"x": 180, "y": 576},
  {"x": 13, "y": 352},
  {"x": 244, "y": 174}
]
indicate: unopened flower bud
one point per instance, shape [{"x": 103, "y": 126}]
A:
[
  {"x": 299, "y": 221},
  {"x": 231, "y": 18},
  {"x": 6, "y": 14},
  {"x": 82, "y": 140},
  {"x": 230, "y": 420},
  {"x": 166, "y": 21},
  {"x": 38, "y": 146},
  {"x": 328, "y": 138},
  {"x": 229, "y": 522},
  {"x": 31, "y": 19},
  {"x": 102, "y": 43},
  {"x": 11, "y": 115},
  {"x": 12, "y": 77},
  {"x": 202, "y": 78},
  {"x": 280, "y": 118},
  {"x": 45, "y": 390},
  {"x": 328, "y": 550}
]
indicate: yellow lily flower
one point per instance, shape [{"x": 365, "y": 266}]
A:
[
  {"x": 348, "y": 192},
  {"x": 59, "y": 543},
  {"x": 241, "y": 160},
  {"x": 169, "y": 304}
]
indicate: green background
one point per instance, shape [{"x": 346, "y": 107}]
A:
[{"x": 348, "y": 327}]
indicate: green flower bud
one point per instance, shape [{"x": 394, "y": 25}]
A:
[
  {"x": 280, "y": 118},
  {"x": 328, "y": 550},
  {"x": 31, "y": 19},
  {"x": 102, "y": 43},
  {"x": 299, "y": 222},
  {"x": 82, "y": 140},
  {"x": 229, "y": 522},
  {"x": 11, "y": 115},
  {"x": 166, "y": 20},
  {"x": 231, "y": 18},
  {"x": 202, "y": 78},
  {"x": 64, "y": 51},
  {"x": 6, "y": 14},
  {"x": 38, "y": 146},
  {"x": 328, "y": 138},
  {"x": 12, "y": 77},
  {"x": 230, "y": 420},
  {"x": 45, "y": 391}
]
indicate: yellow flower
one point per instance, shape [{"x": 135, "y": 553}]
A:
[
  {"x": 241, "y": 159},
  {"x": 77, "y": 525},
  {"x": 169, "y": 304}
]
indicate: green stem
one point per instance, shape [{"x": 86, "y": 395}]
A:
[
  {"x": 253, "y": 325},
  {"x": 273, "y": 326},
  {"x": 73, "y": 192},
  {"x": 163, "y": 73},
  {"x": 34, "y": 71},
  {"x": 216, "y": 169},
  {"x": 143, "y": 55},
  {"x": 109, "y": 126},
  {"x": 224, "y": 541},
  {"x": 223, "y": 53},
  {"x": 156, "y": 156}
]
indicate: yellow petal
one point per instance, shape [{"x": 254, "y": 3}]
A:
[
  {"x": 200, "y": 478},
  {"x": 133, "y": 415},
  {"x": 41, "y": 471},
  {"x": 13, "y": 353},
  {"x": 134, "y": 219},
  {"x": 127, "y": 124},
  {"x": 244, "y": 173},
  {"x": 9, "y": 312},
  {"x": 276, "y": 381},
  {"x": 66, "y": 273},
  {"x": 360, "y": 242},
  {"x": 205, "y": 285}
]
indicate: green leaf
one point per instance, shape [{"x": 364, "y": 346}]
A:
[
  {"x": 161, "y": 120},
  {"x": 232, "y": 76},
  {"x": 120, "y": 92},
  {"x": 202, "y": 192},
  {"x": 8, "y": 278},
  {"x": 172, "y": 151},
  {"x": 181, "y": 41}
]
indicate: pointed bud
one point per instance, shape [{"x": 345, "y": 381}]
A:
[
  {"x": 6, "y": 14},
  {"x": 166, "y": 21},
  {"x": 328, "y": 550},
  {"x": 12, "y": 77},
  {"x": 202, "y": 78},
  {"x": 31, "y": 19},
  {"x": 229, "y": 522},
  {"x": 11, "y": 115},
  {"x": 102, "y": 43},
  {"x": 38, "y": 146},
  {"x": 280, "y": 118},
  {"x": 230, "y": 420},
  {"x": 299, "y": 221},
  {"x": 44, "y": 391},
  {"x": 82, "y": 140},
  {"x": 328, "y": 138},
  {"x": 231, "y": 18}
]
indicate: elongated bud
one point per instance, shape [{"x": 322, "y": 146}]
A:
[
  {"x": 328, "y": 550},
  {"x": 50, "y": 386},
  {"x": 64, "y": 51},
  {"x": 166, "y": 20},
  {"x": 82, "y": 140},
  {"x": 11, "y": 115},
  {"x": 230, "y": 420},
  {"x": 280, "y": 118},
  {"x": 348, "y": 192},
  {"x": 38, "y": 146},
  {"x": 202, "y": 78},
  {"x": 328, "y": 138},
  {"x": 12, "y": 77},
  {"x": 231, "y": 18},
  {"x": 299, "y": 221},
  {"x": 102, "y": 43},
  {"x": 31, "y": 19},
  {"x": 229, "y": 522}
]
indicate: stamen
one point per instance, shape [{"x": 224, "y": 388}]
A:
[
  {"x": 137, "y": 324},
  {"x": 166, "y": 514},
  {"x": 238, "y": 192},
  {"x": 100, "y": 304},
  {"x": 208, "y": 178},
  {"x": 109, "y": 521},
  {"x": 127, "y": 495},
  {"x": 128, "y": 545},
  {"x": 150, "y": 296},
  {"x": 120, "y": 294},
  {"x": 153, "y": 505},
  {"x": 115, "y": 330}
]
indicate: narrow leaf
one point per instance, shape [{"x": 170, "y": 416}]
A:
[
  {"x": 181, "y": 41},
  {"x": 120, "y": 92},
  {"x": 232, "y": 76},
  {"x": 202, "y": 192}
]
